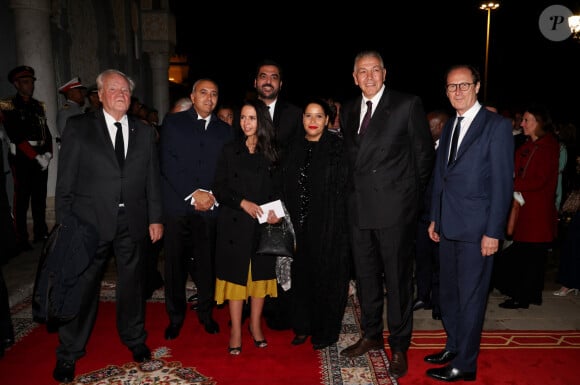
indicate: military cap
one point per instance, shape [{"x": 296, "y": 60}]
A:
[
  {"x": 20, "y": 72},
  {"x": 73, "y": 83}
]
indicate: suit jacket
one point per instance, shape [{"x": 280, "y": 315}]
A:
[
  {"x": 391, "y": 163},
  {"x": 189, "y": 155},
  {"x": 472, "y": 195},
  {"x": 90, "y": 181},
  {"x": 288, "y": 123}
]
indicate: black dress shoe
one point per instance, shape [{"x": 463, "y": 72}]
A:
[
  {"x": 211, "y": 327},
  {"x": 420, "y": 304},
  {"x": 193, "y": 298},
  {"x": 172, "y": 331},
  {"x": 450, "y": 374},
  {"x": 299, "y": 339},
  {"x": 64, "y": 371},
  {"x": 361, "y": 347},
  {"x": 398, "y": 366},
  {"x": 513, "y": 304},
  {"x": 443, "y": 357},
  {"x": 141, "y": 353}
]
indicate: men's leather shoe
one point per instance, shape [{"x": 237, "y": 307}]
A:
[
  {"x": 141, "y": 353},
  {"x": 398, "y": 366},
  {"x": 443, "y": 357},
  {"x": 172, "y": 331},
  {"x": 419, "y": 304},
  {"x": 64, "y": 371},
  {"x": 211, "y": 326},
  {"x": 513, "y": 304},
  {"x": 361, "y": 347},
  {"x": 450, "y": 374}
]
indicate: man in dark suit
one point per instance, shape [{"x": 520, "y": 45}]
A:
[
  {"x": 108, "y": 177},
  {"x": 287, "y": 119},
  {"x": 190, "y": 146},
  {"x": 427, "y": 251},
  {"x": 472, "y": 192},
  {"x": 391, "y": 154}
]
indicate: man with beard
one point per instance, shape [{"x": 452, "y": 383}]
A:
[{"x": 287, "y": 119}]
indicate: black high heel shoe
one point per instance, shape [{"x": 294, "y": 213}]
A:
[
  {"x": 259, "y": 344},
  {"x": 235, "y": 351},
  {"x": 299, "y": 339}
]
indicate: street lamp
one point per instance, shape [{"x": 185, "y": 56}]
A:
[{"x": 487, "y": 7}]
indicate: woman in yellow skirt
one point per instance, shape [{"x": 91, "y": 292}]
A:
[{"x": 247, "y": 176}]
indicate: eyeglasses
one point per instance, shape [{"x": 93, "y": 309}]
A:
[{"x": 462, "y": 87}]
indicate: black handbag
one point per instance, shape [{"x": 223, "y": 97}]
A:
[{"x": 277, "y": 239}]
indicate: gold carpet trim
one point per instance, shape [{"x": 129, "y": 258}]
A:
[{"x": 505, "y": 339}]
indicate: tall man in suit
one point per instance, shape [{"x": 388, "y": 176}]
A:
[
  {"x": 472, "y": 192},
  {"x": 190, "y": 146},
  {"x": 112, "y": 183},
  {"x": 287, "y": 119},
  {"x": 391, "y": 154}
]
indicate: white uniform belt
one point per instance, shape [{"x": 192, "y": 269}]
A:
[{"x": 31, "y": 142}]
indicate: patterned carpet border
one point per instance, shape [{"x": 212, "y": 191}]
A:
[{"x": 371, "y": 368}]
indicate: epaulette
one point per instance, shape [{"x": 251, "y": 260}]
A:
[
  {"x": 6, "y": 104},
  {"x": 65, "y": 106},
  {"x": 43, "y": 105}
]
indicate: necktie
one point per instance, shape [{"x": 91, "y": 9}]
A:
[
  {"x": 119, "y": 144},
  {"x": 203, "y": 122},
  {"x": 366, "y": 118},
  {"x": 454, "y": 139}
]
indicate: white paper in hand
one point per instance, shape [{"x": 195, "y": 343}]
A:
[{"x": 274, "y": 205}]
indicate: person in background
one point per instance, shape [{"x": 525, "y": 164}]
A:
[
  {"x": 314, "y": 191},
  {"x": 74, "y": 91},
  {"x": 427, "y": 251},
  {"x": 226, "y": 113},
  {"x": 108, "y": 177},
  {"x": 30, "y": 155},
  {"x": 287, "y": 119},
  {"x": 390, "y": 155},
  {"x": 247, "y": 176},
  {"x": 334, "y": 117},
  {"x": 93, "y": 99},
  {"x": 181, "y": 104},
  {"x": 190, "y": 146},
  {"x": 569, "y": 269},
  {"x": 520, "y": 269},
  {"x": 7, "y": 251},
  {"x": 472, "y": 189}
]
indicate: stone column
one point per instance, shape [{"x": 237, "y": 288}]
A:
[
  {"x": 34, "y": 48},
  {"x": 158, "y": 28},
  {"x": 159, "y": 62}
]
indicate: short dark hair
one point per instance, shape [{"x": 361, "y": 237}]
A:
[{"x": 269, "y": 62}]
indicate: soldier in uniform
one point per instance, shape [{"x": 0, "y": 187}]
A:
[
  {"x": 75, "y": 93},
  {"x": 30, "y": 154},
  {"x": 93, "y": 98}
]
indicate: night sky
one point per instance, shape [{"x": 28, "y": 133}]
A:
[{"x": 418, "y": 43}]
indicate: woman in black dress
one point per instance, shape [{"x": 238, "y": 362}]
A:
[
  {"x": 247, "y": 176},
  {"x": 314, "y": 180}
]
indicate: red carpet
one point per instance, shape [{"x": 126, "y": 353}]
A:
[
  {"x": 195, "y": 357},
  {"x": 507, "y": 357}
]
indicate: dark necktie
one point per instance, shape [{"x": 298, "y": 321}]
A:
[
  {"x": 119, "y": 144},
  {"x": 203, "y": 122},
  {"x": 454, "y": 139},
  {"x": 366, "y": 119}
]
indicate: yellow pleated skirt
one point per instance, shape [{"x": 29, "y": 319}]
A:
[{"x": 225, "y": 290}]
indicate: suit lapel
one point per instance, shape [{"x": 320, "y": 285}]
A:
[{"x": 473, "y": 133}]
